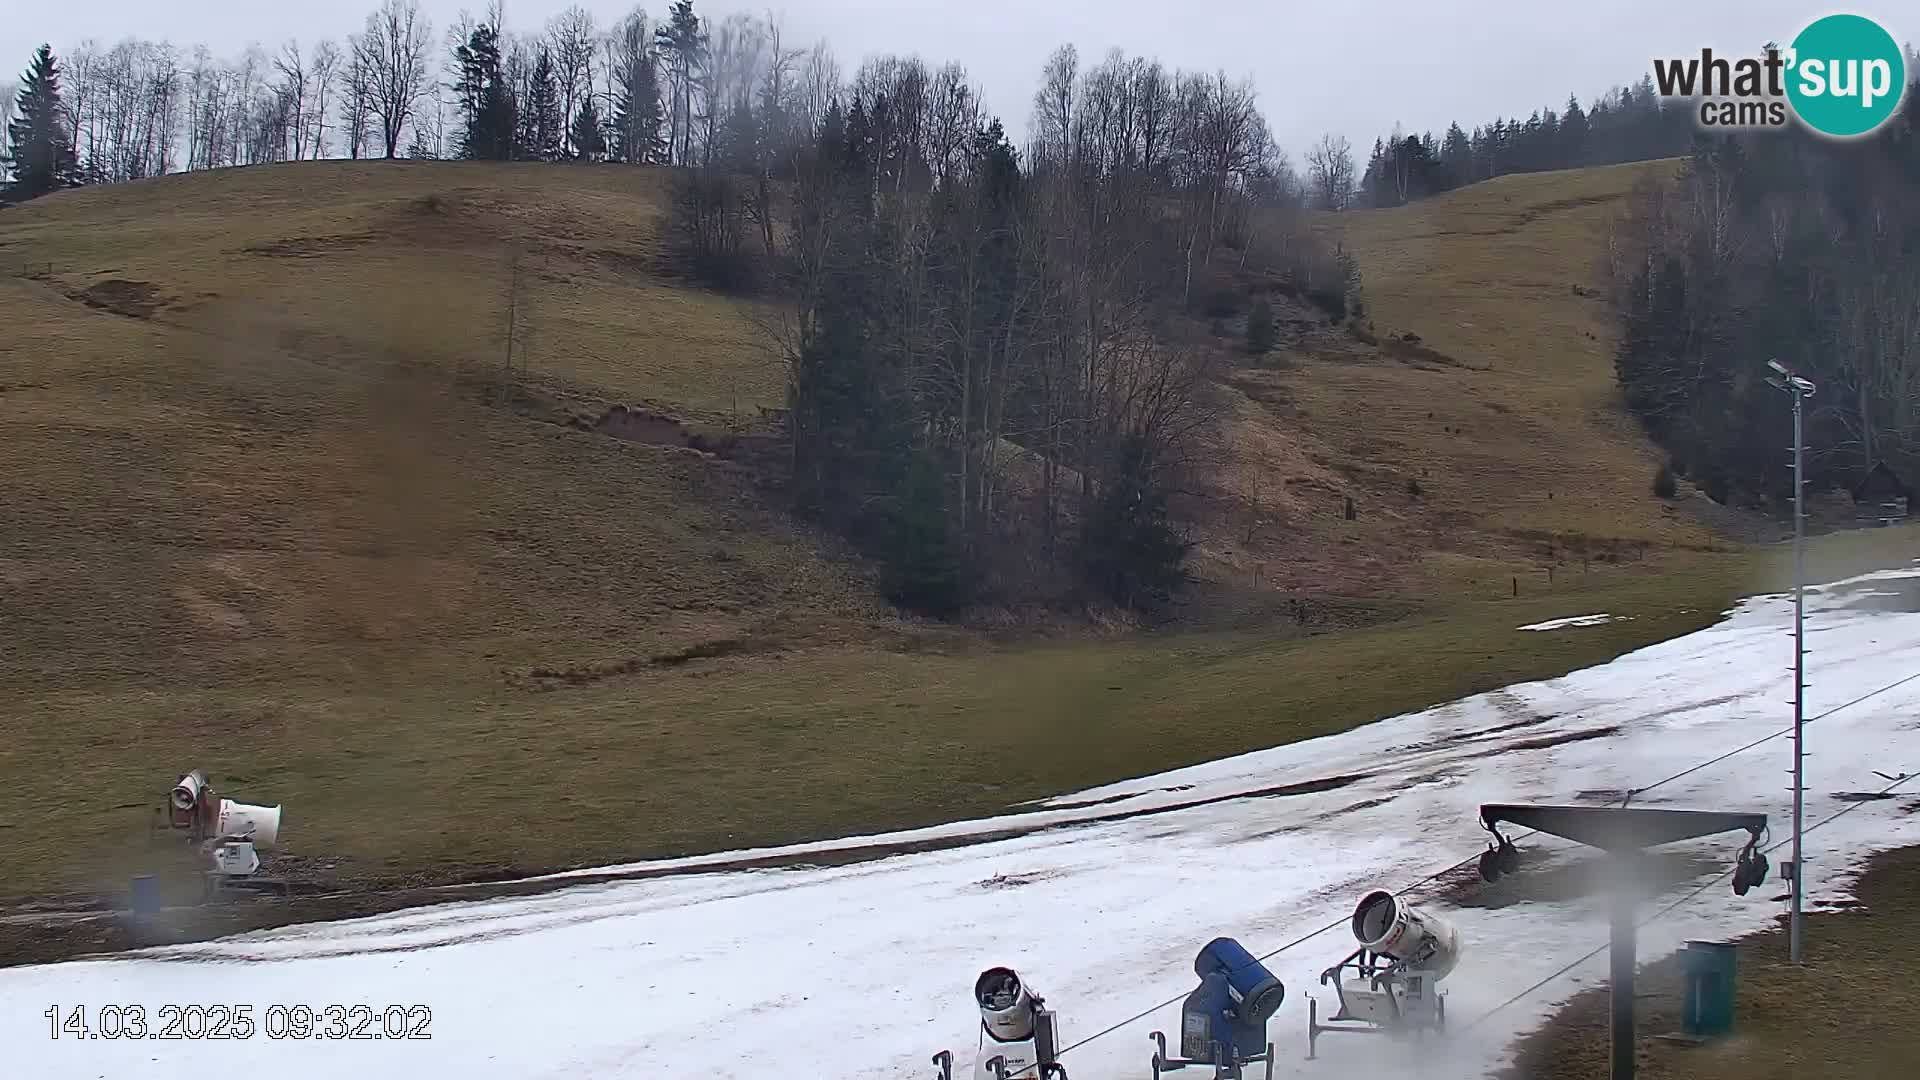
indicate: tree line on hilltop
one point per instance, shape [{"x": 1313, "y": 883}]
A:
[{"x": 1625, "y": 124}]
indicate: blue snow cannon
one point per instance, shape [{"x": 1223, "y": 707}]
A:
[{"x": 1223, "y": 1023}]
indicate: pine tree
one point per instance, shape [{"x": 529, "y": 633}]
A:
[
  {"x": 544, "y": 124},
  {"x": 1456, "y": 155},
  {"x": 484, "y": 98},
  {"x": 682, "y": 41},
  {"x": 1573, "y": 134},
  {"x": 922, "y": 567},
  {"x": 38, "y": 149},
  {"x": 1129, "y": 550},
  {"x": 589, "y": 141},
  {"x": 1376, "y": 180},
  {"x": 637, "y": 115}
]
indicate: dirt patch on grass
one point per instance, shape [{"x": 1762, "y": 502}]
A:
[
  {"x": 1408, "y": 347},
  {"x": 309, "y": 247},
  {"x": 643, "y": 426},
  {"x": 1845, "y": 1015},
  {"x": 582, "y": 674},
  {"x": 134, "y": 299}
]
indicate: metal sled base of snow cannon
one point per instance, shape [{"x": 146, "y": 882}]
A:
[
  {"x": 1226, "y": 1060},
  {"x": 1388, "y": 985},
  {"x": 997, "y": 1067},
  {"x": 1376, "y": 997}
]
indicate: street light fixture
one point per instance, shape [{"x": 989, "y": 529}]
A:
[{"x": 1789, "y": 382}]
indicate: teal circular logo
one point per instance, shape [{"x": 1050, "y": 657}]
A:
[{"x": 1846, "y": 75}]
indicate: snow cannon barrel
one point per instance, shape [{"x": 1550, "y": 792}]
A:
[
  {"x": 1006, "y": 1005},
  {"x": 1388, "y": 925},
  {"x": 244, "y": 821},
  {"x": 1257, "y": 992},
  {"x": 1020, "y": 1033},
  {"x": 186, "y": 793}
]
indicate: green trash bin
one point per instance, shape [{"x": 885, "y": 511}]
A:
[{"x": 1709, "y": 970}]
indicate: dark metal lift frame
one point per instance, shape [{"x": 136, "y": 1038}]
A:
[{"x": 1622, "y": 834}]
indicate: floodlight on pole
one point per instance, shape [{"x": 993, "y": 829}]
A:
[{"x": 1800, "y": 389}]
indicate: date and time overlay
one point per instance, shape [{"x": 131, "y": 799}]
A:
[{"x": 216, "y": 1023}]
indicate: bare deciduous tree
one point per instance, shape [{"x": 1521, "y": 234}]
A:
[
  {"x": 356, "y": 108},
  {"x": 1053, "y": 110},
  {"x": 293, "y": 87},
  {"x": 572, "y": 40},
  {"x": 1330, "y": 171},
  {"x": 9, "y": 101},
  {"x": 325, "y": 69},
  {"x": 392, "y": 55},
  {"x": 819, "y": 83}
]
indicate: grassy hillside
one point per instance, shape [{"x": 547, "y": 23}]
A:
[
  {"x": 273, "y": 512},
  {"x": 254, "y": 423},
  {"x": 1483, "y": 439},
  {"x": 1505, "y": 277}
]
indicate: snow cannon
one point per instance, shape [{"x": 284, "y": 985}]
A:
[
  {"x": 1387, "y": 985},
  {"x": 1395, "y": 929},
  {"x": 230, "y": 833},
  {"x": 1019, "y": 1035},
  {"x": 1223, "y": 1023}
]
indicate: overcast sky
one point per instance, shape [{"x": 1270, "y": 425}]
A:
[{"x": 1353, "y": 67}]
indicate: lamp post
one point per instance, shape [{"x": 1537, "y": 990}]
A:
[{"x": 1800, "y": 390}]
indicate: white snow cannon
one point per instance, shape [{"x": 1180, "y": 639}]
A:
[
  {"x": 231, "y": 833},
  {"x": 1019, "y": 1035},
  {"x": 240, "y": 830},
  {"x": 1388, "y": 983}
]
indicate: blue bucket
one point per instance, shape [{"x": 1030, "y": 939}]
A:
[{"x": 143, "y": 894}]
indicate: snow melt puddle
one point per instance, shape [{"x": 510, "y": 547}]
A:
[
  {"x": 861, "y": 971},
  {"x": 1572, "y": 620}
]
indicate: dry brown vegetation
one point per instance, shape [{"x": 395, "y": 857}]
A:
[
  {"x": 272, "y": 512},
  {"x": 1482, "y": 439}
]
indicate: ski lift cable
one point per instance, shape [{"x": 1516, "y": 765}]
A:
[
  {"x": 1633, "y": 792},
  {"x": 1716, "y": 880},
  {"x": 1430, "y": 878}
]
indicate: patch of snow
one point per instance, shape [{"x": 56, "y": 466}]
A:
[
  {"x": 864, "y": 970},
  {"x": 1572, "y": 620}
]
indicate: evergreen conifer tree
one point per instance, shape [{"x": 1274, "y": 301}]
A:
[{"x": 39, "y": 151}]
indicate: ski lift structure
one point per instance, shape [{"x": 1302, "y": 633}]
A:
[{"x": 1623, "y": 834}]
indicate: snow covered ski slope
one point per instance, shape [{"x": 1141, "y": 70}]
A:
[{"x": 1099, "y": 899}]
